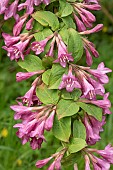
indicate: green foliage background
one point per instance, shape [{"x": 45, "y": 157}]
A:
[{"x": 14, "y": 156}]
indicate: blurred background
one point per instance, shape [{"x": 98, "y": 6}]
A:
[{"x": 14, "y": 156}]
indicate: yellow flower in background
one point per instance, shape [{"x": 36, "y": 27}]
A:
[
  {"x": 4, "y": 133},
  {"x": 19, "y": 162},
  {"x": 105, "y": 29}
]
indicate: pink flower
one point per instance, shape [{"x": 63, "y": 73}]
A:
[
  {"x": 80, "y": 24},
  {"x": 38, "y": 47},
  {"x": 51, "y": 50},
  {"x": 90, "y": 87},
  {"x": 69, "y": 82},
  {"x": 100, "y": 73},
  {"x": 105, "y": 104},
  {"x": 90, "y": 17},
  {"x": 89, "y": 60},
  {"x": 87, "y": 162},
  {"x": 49, "y": 121},
  {"x": 20, "y": 110},
  {"x": 92, "y": 6},
  {"x": 36, "y": 143},
  {"x": 63, "y": 57},
  {"x": 107, "y": 153},
  {"x": 3, "y": 5},
  {"x": 85, "y": 21},
  {"x": 93, "y": 128},
  {"x": 89, "y": 47},
  {"x": 100, "y": 164},
  {"x": 91, "y": 1},
  {"x": 29, "y": 24},
  {"x": 87, "y": 18},
  {"x": 19, "y": 24},
  {"x": 41, "y": 163},
  {"x": 12, "y": 11},
  {"x": 97, "y": 28},
  {"x": 20, "y": 76},
  {"x": 16, "y": 51},
  {"x": 52, "y": 166},
  {"x": 10, "y": 40},
  {"x": 38, "y": 2},
  {"x": 46, "y": 2},
  {"x": 28, "y": 97},
  {"x": 31, "y": 129},
  {"x": 28, "y": 5}
]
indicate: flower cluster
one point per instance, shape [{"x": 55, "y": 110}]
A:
[
  {"x": 99, "y": 163},
  {"x": 34, "y": 121},
  {"x": 56, "y": 164},
  {"x": 11, "y": 10},
  {"x": 57, "y": 77}
]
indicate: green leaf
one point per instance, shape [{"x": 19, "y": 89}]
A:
[
  {"x": 71, "y": 159},
  {"x": 69, "y": 22},
  {"x": 37, "y": 26},
  {"x": 91, "y": 110},
  {"x": 75, "y": 44},
  {"x": 46, "y": 76},
  {"x": 66, "y": 95},
  {"x": 41, "y": 35},
  {"x": 66, "y": 108},
  {"x": 47, "y": 62},
  {"x": 64, "y": 34},
  {"x": 31, "y": 63},
  {"x": 46, "y": 18},
  {"x": 79, "y": 130},
  {"x": 74, "y": 95},
  {"x": 57, "y": 72},
  {"x": 76, "y": 145},
  {"x": 62, "y": 128},
  {"x": 46, "y": 95},
  {"x": 65, "y": 8}
]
